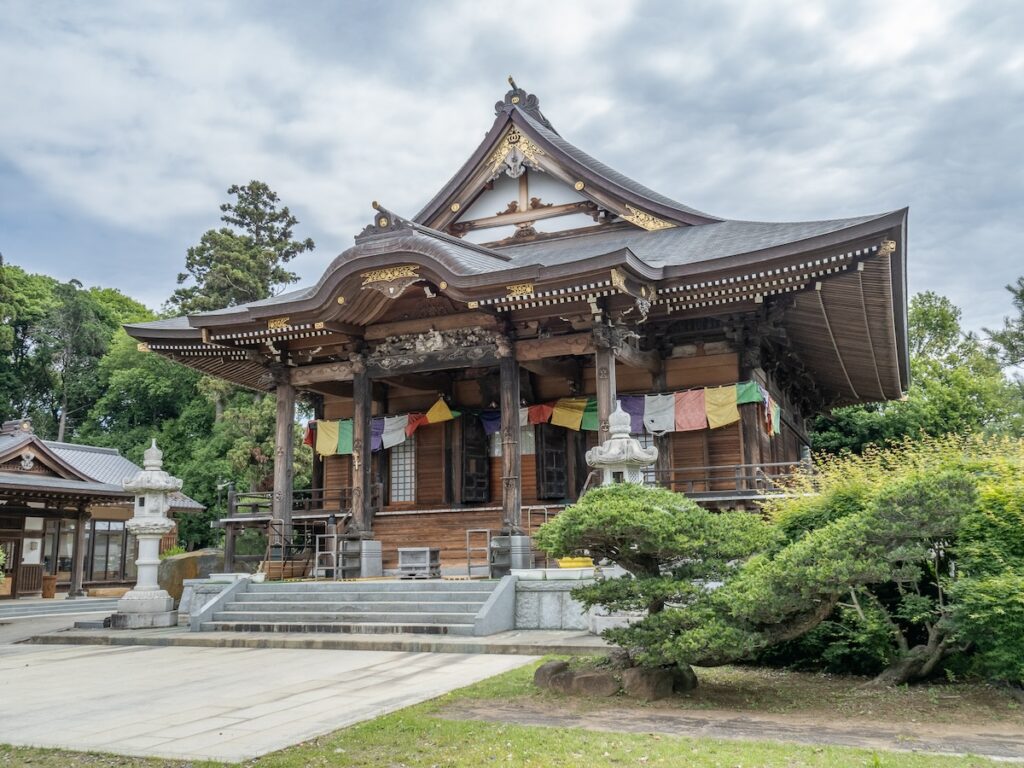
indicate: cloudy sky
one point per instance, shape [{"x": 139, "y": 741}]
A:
[{"x": 124, "y": 123}]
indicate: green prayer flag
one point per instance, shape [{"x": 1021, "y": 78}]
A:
[
  {"x": 345, "y": 436},
  {"x": 748, "y": 392},
  {"x": 590, "y": 421},
  {"x": 776, "y": 418}
]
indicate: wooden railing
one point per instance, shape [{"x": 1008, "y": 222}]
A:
[
  {"x": 740, "y": 479},
  {"x": 327, "y": 500}
]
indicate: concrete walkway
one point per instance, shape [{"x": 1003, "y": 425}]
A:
[
  {"x": 530, "y": 642},
  {"x": 212, "y": 703}
]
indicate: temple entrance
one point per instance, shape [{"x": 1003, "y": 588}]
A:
[{"x": 12, "y": 557}]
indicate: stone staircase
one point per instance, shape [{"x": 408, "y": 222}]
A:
[{"x": 416, "y": 606}]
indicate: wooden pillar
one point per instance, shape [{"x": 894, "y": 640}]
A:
[
  {"x": 362, "y": 398},
  {"x": 75, "y": 589},
  {"x": 663, "y": 466},
  {"x": 229, "y": 547},
  {"x": 511, "y": 484},
  {"x": 604, "y": 359},
  {"x": 284, "y": 455}
]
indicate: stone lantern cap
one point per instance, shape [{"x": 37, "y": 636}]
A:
[
  {"x": 621, "y": 451},
  {"x": 152, "y": 479}
]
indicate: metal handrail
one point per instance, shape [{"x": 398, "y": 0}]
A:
[
  {"x": 764, "y": 477},
  {"x": 334, "y": 499}
]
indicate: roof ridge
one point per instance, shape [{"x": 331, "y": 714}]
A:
[{"x": 80, "y": 447}]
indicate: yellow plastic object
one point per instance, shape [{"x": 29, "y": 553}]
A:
[{"x": 575, "y": 562}]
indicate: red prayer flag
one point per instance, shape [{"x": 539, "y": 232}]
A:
[
  {"x": 309, "y": 438},
  {"x": 540, "y": 414}
]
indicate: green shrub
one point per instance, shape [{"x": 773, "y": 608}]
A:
[{"x": 989, "y": 615}]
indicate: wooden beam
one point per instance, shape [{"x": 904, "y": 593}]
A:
[
  {"x": 419, "y": 362},
  {"x": 554, "y": 346},
  {"x": 634, "y": 358},
  {"x": 305, "y": 375},
  {"x": 424, "y": 324},
  {"x": 558, "y": 369},
  {"x": 423, "y": 382},
  {"x": 604, "y": 362},
  {"x": 529, "y": 214},
  {"x": 348, "y": 329}
]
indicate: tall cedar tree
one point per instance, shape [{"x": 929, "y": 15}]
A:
[
  {"x": 234, "y": 266},
  {"x": 1010, "y": 339}
]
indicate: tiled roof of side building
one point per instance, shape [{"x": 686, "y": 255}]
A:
[{"x": 106, "y": 465}]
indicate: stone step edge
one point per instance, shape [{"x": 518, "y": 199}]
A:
[{"x": 341, "y": 627}]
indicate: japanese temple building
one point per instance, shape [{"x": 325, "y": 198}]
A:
[
  {"x": 462, "y": 360},
  {"x": 63, "y": 512}
]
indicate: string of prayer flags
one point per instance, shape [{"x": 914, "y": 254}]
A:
[
  {"x": 634, "y": 406},
  {"x": 776, "y": 418},
  {"x": 659, "y": 414},
  {"x": 748, "y": 392},
  {"x": 439, "y": 412},
  {"x": 394, "y": 431},
  {"x": 327, "y": 438},
  {"x": 415, "y": 421},
  {"x": 345, "y": 436},
  {"x": 540, "y": 414},
  {"x": 376, "y": 431},
  {"x": 568, "y": 412},
  {"x": 689, "y": 411},
  {"x": 491, "y": 421},
  {"x": 308, "y": 438},
  {"x": 524, "y": 417},
  {"x": 590, "y": 421},
  {"x": 720, "y": 406}
]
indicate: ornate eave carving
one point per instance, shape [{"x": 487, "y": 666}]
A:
[
  {"x": 515, "y": 152},
  {"x": 645, "y": 220}
]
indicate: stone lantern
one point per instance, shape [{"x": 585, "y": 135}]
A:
[
  {"x": 621, "y": 458},
  {"x": 146, "y": 605}
]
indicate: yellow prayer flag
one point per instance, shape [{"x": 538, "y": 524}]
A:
[
  {"x": 720, "y": 405},
  {"x": 569, "y": 412},
  {"x": 326, "y": 437},
  {"x": 439, "y": 411}
]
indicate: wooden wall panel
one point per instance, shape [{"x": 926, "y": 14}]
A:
[
  {"x": 430, "y": 465},
  {"x": 702, "y": 371},
  {"x": 444, "y": 530}
]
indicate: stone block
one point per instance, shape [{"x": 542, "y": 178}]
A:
[
  {"x": 595, "y": 684},
  {"x": 683, "y": 678},
  {"x": 527, "y": 610},
  {"x": 562, "y": 682},
  {"x": 176, "y": 569},
  {"x": 648, "y": 683},
  {"x": 144, "y": 620},
  {"x": 550, "y": 610},
  {"x": 542, "y": 677},
  {"x": 143, "y": 605}
]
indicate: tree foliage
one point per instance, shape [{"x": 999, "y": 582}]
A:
[
  {"x": 1009, "y": 339},
  {"x": 244, "y": 261}
]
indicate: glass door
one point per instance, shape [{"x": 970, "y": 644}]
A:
[{"x": 12, "y": 557}]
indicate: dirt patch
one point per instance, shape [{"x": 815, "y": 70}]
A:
[{"x": 998, "y": 740}]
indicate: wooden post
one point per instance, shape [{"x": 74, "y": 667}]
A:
[
  {"x": 511, "y": 485},
  {"x": 229, "y": 548},
  {"x": 663, "y": 466},
  {"x": 604, "y": 360},
  {"x": 362, "y": 397},
  {"x": 284, "y": 456},
  {"x": 75, "y": 589}
]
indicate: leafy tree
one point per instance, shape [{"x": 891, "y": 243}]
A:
[
  {"x": 957, "y": 386},
  {"x": 26, "y": 377},
  {"x": 1010, "y": 338},
  {"x": 235, "y": 266}
]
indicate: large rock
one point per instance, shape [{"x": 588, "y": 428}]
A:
[
  {"x": 562, "y": 682},
  {"x": 595, "y": 684},
  {"x": 542, "y": 677},
  {"x": 648, "y": 683},
  {"x": 190, "y": 565},
  {"x": 683, "y": 678}
]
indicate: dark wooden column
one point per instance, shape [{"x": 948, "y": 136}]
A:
[
  {"x": 284, "y": 455},
  {"x": 75, "y": 589},
  {"x": 362, "y": 398},
  {"x": 511, "y": 484},
  {"x": 604, "y": 362},
  {"x": 663, "y": 466}
]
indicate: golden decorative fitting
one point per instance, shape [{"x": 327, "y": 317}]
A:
[
  {"x": 645, "y": 220},
  {"x": 619, "y": 280},
  {"x": 443, "y": 285},
  {"x": 514, "y": 140},
  {"x": 277, "y": 323},
  {"x": 473, "y": 304},
  {"x": 887, "y": 247},
  {"x": 578, "y": 186},
  {"x": 142, "y": 347},
  {"x": 318, "y": 326},
  {"x": 341, "y": 299},
  {"x": 455, "y": 207},
  {"x": 519, "y": 289},
  {"x": 382, "y": 222},
  {"x": 390, "y": 274},
  {"x": 515, "y": 99}
]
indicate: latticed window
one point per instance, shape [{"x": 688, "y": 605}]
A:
[
  {"x": 646, "y": 439},
  {"x": 403, "y": 471}
]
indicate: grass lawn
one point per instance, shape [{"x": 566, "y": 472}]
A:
[{"x": 418, "y": 736}]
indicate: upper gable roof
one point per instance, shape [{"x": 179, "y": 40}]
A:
[{"x": 519, "y": 121}]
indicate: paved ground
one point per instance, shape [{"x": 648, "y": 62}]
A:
[
  {"x": 1000, "y": 741},
  {"x": 214, "y": 703},
  {"x": 529, "y": 642},
  {"x": 23, "y": 619}
]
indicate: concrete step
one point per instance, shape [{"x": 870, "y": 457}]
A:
[
  {"x": 359, "y": 606},
  {"x": 338, "y": 627},
  {"x": 412, "y": 585},
  {"x": 361, "y": 617},
  {"x": 264, "y": 596},
  {"x": 15, "y": 609}
]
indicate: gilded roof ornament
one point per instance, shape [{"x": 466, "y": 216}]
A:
[
  {"x": 517, "y": 98},
  {"x": 645, "y": 220}
]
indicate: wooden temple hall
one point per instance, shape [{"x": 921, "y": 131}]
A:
[{"x": 462, "y": 360}]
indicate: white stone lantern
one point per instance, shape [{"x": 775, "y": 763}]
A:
[
  {"x": 146, "y": 605},
  {"x": 621, "y": 458}
]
